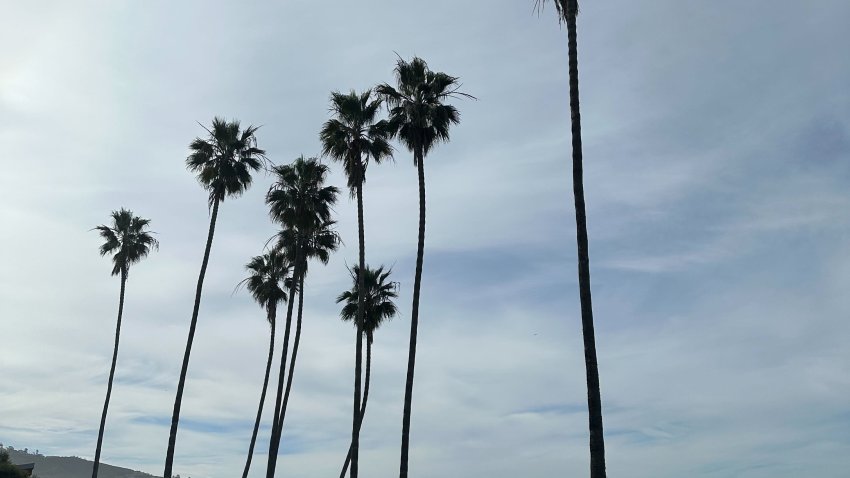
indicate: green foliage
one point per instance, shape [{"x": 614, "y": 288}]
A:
[
  {"x": 353, "y": 137},
  {"x": 378, "y": 305},
  {"x": 269, "y": 276},
  {"x": 225, "y": 160},
  {"x": 127, "y": 240},
  {"x": 7, "y": 469},
  {"x": 299, "y": 199},
  {"x": 418, "y": 115},
  {"x": 564, "y": 8},
  {"x": 301, "y": 203}
]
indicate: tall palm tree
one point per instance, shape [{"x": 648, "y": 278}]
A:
[
  {"x": 376, "y": 307},
  {"x": 353, "y": 137},
  {"x": 267, "y": 279},
  {"x": 223, "y": 162},
  {"x": 129, "y": 241},
  {"x": 420, "y": 119},
  {"x": 567, "y": 11},
  {"x": 299, "y": 201},
  {"x": 317, "y": 243}
]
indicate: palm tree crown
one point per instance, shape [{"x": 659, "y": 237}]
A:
[
  {"x": 418, "y": 115},
  {"x": 377, "y": 300},
  {"x": 298, "y": 199},
  {"x": 566, "y": 8},
  {"x": 268, "y": 278},
  {"x": 225, "y": 160},
  {"x": 353, "y": 136},
  {"x": 127, "y": 239},
  {"x": 318, "y": 243}
]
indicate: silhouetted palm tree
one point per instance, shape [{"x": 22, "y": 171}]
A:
[
  {"x": 129, "y": 241},
  {"x": 300, "y": 202},
  {"x": 269, "y": 276},
  {"x": 318, "y": 243},
  {"x": 567, "y": 11},
  {"x": 377, "y": 307},
  {"x": 420, "y": 119},
  {"x": 223, "y": 163},
  {"x": 353, "y": 137}
]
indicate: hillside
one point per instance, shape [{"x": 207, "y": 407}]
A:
[{"x": 70, "y": 467}]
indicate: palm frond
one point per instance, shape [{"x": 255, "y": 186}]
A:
[
  {"x": 224, "y": 161},
  {"x": 302, "y": 204},
  {"x": 378, "y": 298},
  {"x": 268, "y": 278},
  {"x": 127, "y": 239},
  {"x": 418, "y": 116},
  {"x": 564, "y": 8},
  {"x": 351, "y": 136}
]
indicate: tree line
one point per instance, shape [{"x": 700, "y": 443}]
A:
[
  {"x": 419, "y": 117},
  {"x": 301, "y": 202}
]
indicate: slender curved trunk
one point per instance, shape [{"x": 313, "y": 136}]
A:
[
  {"x": 414, "y": 317},
  {"x": 272, "y": 310},
  {"x": 294, "y": 354},
  {"x": 361, "y": 286},
  {"x": 274, "y": 442},
  {"x": 363, "y": 405},
  {"x": 111, "y": 375},
  {"x": 594, "y": 400},
  {"x": 178, "y": 400}
]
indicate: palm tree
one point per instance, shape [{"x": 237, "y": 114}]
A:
[
  {"x": 268, "y": 276},
  {"x": 567, "y": 11},
  {"x": 421, "y": 120},
  {"x": 376, "y": 307},
  {"x": 317, "y": 243},
  {"x": 300, "y": 202},
  {"x": 352, "y": 138},
  {"x": 129, "y": 241},
  {"x": 223, "y": 163}
]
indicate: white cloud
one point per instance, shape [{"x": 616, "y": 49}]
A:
[{"x": 718, "y": 248}]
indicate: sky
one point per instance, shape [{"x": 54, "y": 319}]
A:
[{"x": 717, "y": 170}]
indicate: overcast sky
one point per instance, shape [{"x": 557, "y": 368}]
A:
[{"x": 717, "y": 156}]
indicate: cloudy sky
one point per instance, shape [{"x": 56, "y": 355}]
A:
[{"x": 717, "y": 149}]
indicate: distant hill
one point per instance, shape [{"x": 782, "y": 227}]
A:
[{"x": 70, "y": 467}]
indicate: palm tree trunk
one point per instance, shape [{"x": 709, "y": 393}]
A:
[
  {"x": 111, "y": 376},
  {"x": 414, "y": 318},
  {"x": 363, "y": 405},
  {"x": 178, "y": 400},
  {"x": 361, "y": 286},
  {"x": 272, "y": 320},
  {"x": 294, "y": 354},
  {"x": 594, "y": 400},
  {"x": 274, "y": 442}
]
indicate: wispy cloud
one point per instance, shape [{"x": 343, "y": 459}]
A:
[{"x": 716, "y": 148}]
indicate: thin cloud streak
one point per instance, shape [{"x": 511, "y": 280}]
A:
[{"x": 716, "y": 153}]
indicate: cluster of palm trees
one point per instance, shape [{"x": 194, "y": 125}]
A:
[
  {"x": 301, "y": 204},
  {"x": 299, "y": 201}
]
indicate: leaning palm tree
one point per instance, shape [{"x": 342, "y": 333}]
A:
[
  {"x": 420, "y": 119},
  {"x": 267, "y": 279},
  {"x": 353, "y": 137},
  {"x": 567, "y": 11},
  {"x": 129, "y": 241},
  {"x": 223, "y": 162},
  {"x": 300, "y": 202},
  {"x": 318, "y": 243},
  {"x": 376, "y": 307}
]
